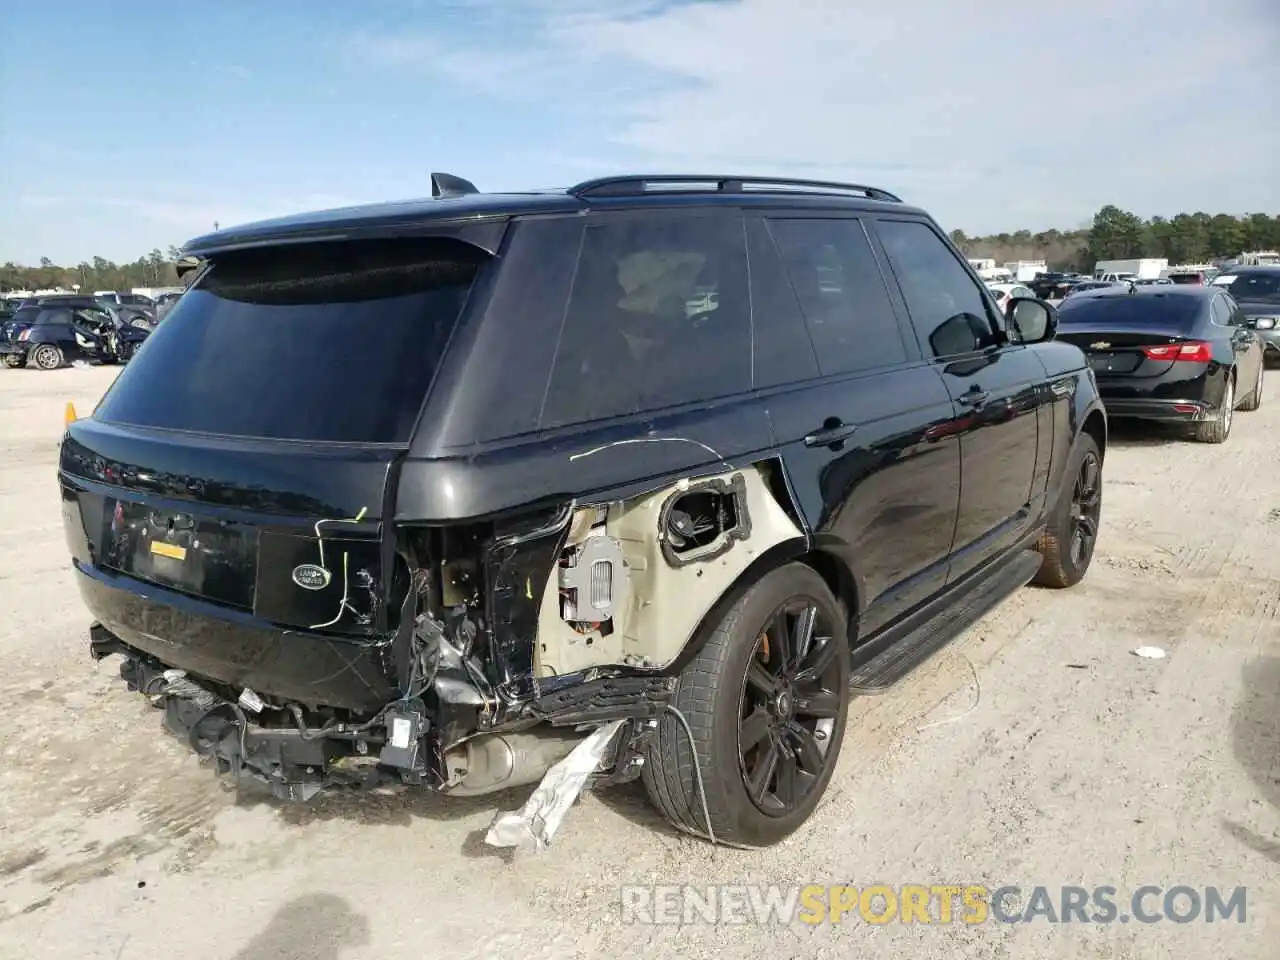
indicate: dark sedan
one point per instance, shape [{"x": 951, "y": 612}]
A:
[
  {"x": 48, "y": 336},
  {"x": 1257, "y": 291},
  {"x": 1086, "y": 286},
  {"x": 1172, "y": 353},
  {"x": 1053, "y": 286}
]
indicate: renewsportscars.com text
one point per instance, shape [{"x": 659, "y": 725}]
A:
[{"x": 929, "y": 904}]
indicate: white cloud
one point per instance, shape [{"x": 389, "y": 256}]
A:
[{"x": 993, "y": 115}]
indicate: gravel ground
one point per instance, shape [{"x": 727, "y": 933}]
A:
[{"x": 1036, "y": 750}]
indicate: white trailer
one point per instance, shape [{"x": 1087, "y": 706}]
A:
[
  {"x": 1144, "y": 268},
  {"x": 1025, "y": 271}
]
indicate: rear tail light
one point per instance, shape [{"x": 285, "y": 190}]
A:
[
  {"x": 24, "y": 335},
  {"x": 1192, "y": 352}
]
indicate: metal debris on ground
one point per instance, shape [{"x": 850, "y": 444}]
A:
[{"x": 538, "y": 820}]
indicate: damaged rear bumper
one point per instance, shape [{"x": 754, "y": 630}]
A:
[
  {"x": 298, "y": 752},
  {"x": 238, "y": 649}
]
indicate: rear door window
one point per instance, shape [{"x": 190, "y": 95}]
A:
[
  {"x": 946, "y": 305},
  {"x": 1221, "y": 312},
  {"x": 841, "y": 292},
  {"x": 51, "y": 316},
  {"x": 327, "y": 342},
  {"x": 659, "y": 315}
]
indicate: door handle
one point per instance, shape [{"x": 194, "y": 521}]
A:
[
  {"x": 973, "y": 398},
  {"x": 830, "y": 433}
]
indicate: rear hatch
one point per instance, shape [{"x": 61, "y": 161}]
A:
[
  {"x": 1132, "y": 336},
  {"x": 239, "y": 469},
  {"x": 21, "y": 320}
]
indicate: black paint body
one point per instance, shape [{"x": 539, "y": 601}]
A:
[{"x": 912, "y": 489}]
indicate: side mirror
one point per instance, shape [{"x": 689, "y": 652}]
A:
[{"x": 1031, "y": 319}]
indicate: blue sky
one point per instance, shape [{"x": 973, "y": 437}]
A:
[{"x": 127, "y": 128}]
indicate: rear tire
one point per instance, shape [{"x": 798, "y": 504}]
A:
[
  {"x": 46, "y": 356},
  {"x": 1072, "y": 531},
  {"x": 1254, "y": 400},
  {"x": 794, "y": 729},
  {"x": 1219, "y": 428}
]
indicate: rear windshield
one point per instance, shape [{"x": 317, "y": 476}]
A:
[
  {"x": 331, "y": 342},
  {"x": 1157, "y": 309},
  {"x": 1253, "y": 286}
]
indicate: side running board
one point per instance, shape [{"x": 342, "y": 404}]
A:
[{"x": 882, "y": 662}]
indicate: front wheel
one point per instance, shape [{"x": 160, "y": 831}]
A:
[
  {"x": 1072, "y": 530},
  {"x": 766, "y": 699},
  {"x": 14, "y": 360}
]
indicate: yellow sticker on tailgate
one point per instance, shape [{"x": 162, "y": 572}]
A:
[{"x": 171, "y": 550}]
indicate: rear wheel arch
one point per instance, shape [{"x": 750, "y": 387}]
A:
[{"x": 834, "y": 572}]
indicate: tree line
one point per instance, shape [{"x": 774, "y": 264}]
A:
[
  {"x": 1118, "y": 234},
  {"x": 1115, "y": 234},
  {"x": 156, "y": 269}
]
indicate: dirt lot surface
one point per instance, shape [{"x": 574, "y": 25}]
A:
[{"x": 1080, "y": 763}]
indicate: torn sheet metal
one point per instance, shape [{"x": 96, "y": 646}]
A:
[{"x": 538, "y": 820}]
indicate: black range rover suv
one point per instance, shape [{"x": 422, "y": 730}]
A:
[{"x": 426, "y": 490}]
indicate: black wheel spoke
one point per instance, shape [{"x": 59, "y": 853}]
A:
[
  {"x": 766, "y": 766},
  {"x": 1088, "y": 476},
  {"x": 1088, "y": 526},
  {"x": 808, "y": 753},
  {"x": 818, "y": 661},
  {"x": 789, "y": 788},
  {"x": 759, "y": 679},
  {"x": 820, "y": 705},
  {"x": 805, "y": 621},
  {"x": 754, "y": 729},
  {"x": 780, "y": 649}
]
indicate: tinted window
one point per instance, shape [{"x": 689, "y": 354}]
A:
[
  {"x": 947, "y": 309},
  {"x": 1159, "y": 309},
  {"x": 51, "y": 315},
  {"x": 837, "y": 282},
  {"x": 329, "y": 342},
  {"x": 783, "y": 351},
  {"x": 658, "y": 316}
]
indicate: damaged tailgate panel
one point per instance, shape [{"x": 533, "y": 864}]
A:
[{"x": 234, "y": 578}]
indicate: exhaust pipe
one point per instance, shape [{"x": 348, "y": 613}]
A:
[{"x": 500, "y": 761}]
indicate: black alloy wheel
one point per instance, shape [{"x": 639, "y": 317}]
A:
[
  {"x": 1086, "y": 507},
  {"x": 1071, "y": 530},
  {"x": 766, "y": 699},
  {"x": 790, "y": 700}
]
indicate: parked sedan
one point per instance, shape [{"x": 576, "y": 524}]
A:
[
  {"x": 1084, "y": 286},
  {"x": 1172, "y": 353},
  {"x": 1004, "y": 292},
  {"x": 1053, "y": 286},
  {"x": 1257, "y": 291},
  {"x": 47, "y": 337}
]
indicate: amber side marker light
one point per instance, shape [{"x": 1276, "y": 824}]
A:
[{"x": 69, "y": 415}]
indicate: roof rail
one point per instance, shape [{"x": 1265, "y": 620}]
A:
[
  {"x": 447, "y": 185},
  {"x": 679, "y": 183}
]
